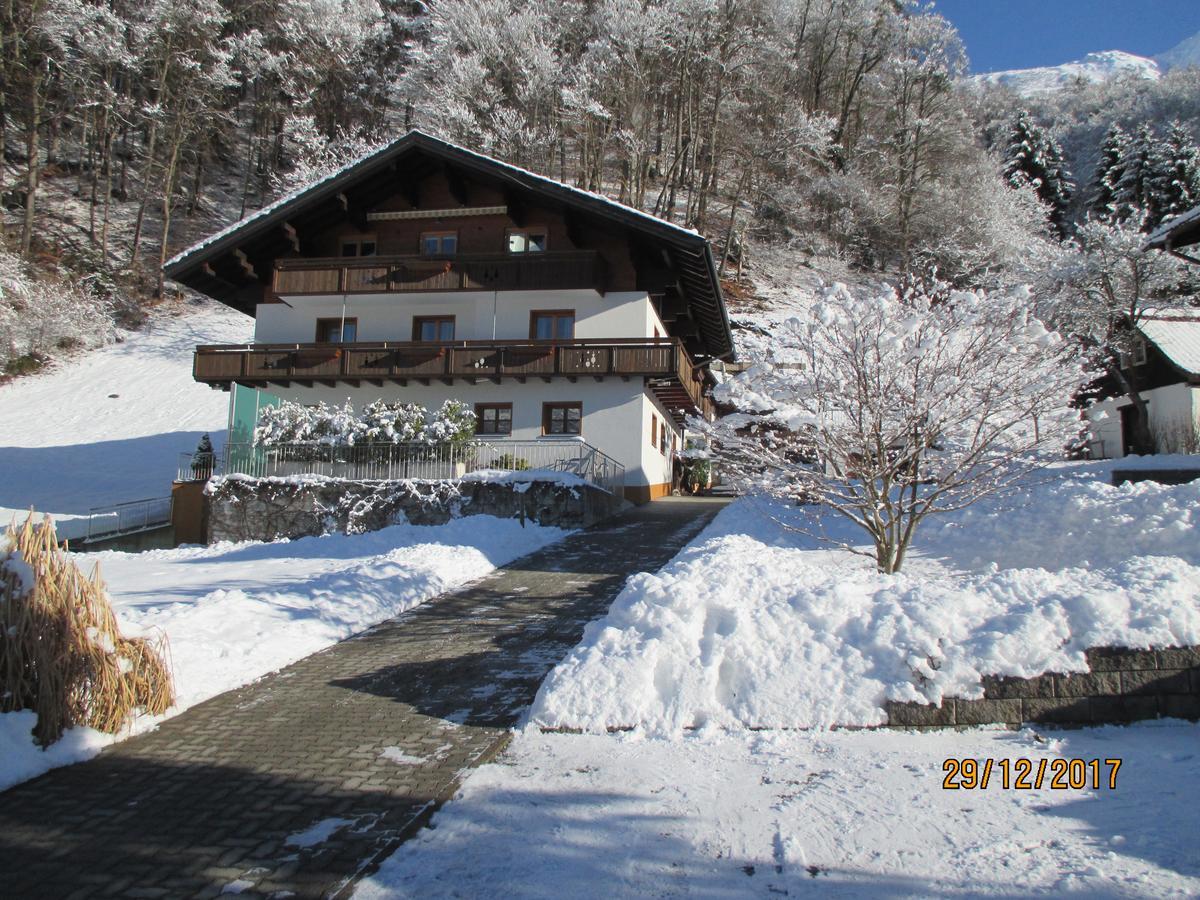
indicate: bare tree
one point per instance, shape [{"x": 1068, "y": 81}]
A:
[{"x": 894, "y": 407}]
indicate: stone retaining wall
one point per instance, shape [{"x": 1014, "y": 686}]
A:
[
  {"x": 266, "y": 509},
  {"x": 1121, "y": 686}
]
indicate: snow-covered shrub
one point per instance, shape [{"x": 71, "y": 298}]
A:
[
  {"x": 453, "y": 423},
  {"x": 895, "y": 407},
  {"x": 41, "y": 313},
  {"x": 392, "y": 423},
  {"x": 380, "y": 422}
]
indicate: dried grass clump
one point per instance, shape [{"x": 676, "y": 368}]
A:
[{"x": 61, "y": 654}]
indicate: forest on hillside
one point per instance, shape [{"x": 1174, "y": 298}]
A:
[{"x": 839, "y": 128}]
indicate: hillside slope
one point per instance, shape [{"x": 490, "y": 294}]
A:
[{"x": 107, "y": 426}]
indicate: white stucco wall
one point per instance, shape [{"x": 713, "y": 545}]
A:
[
  {"x": 1171, "y": 408},
  {"x": 615, "y": 412},
  {"x": 389, "y": 317}
]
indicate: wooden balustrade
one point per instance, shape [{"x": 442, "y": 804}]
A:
[
  {"x": 412, "y": 274},
  {"x": 663, "y": 361}
]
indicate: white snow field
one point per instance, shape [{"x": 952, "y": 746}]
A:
[
  {"x": 842, "y": 814},
  {"x": 234, "y": 612},
  {"x": 755, "y": 625},
  {"x": 108, "y": 426}
]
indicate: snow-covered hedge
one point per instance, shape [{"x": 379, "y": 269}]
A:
[{"x": 379, "y": 422}]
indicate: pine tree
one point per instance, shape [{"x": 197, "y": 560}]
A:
[
  {"x": 1034, "y": 158},
  {"x": 1141, "y": 166},
  {"x": 1109, "y": 170},
  {"x": 1179, "y": 183}
]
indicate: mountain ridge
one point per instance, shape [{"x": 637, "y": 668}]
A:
[{"x": 1095, "y": 67}]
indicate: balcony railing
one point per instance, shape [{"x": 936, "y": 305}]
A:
[
  {"x": 663, "y": 361},
  {"x": 395, "y": 462},
  {"x": 413, "y": 274}
]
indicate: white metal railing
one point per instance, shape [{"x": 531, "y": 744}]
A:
[
  {"x": 394, "y": 462},
  {"x": 125, "y": 518}
]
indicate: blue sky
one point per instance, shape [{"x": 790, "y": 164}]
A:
[{"x": 1017, "y": 34}]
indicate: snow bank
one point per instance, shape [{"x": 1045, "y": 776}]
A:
[
  {"x": 22, "y": 759},
  {"x": 234, "y": 612},
  {"x": 752, "y": 625}
]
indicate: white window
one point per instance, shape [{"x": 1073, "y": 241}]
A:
[{"x": 527, "y": 241}]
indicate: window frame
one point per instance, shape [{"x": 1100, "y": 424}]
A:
[
  {"x": 358, "y": 242},
  {"x": 440, "y": 235},
  {"x": 418, "y": 321},
  {"x": 481, "y": 408},
  {"x": 324, "y": 322},
  {"x": 525, "y": 232},
  {"x": 653, "y": 430},
  {"x": 548, "y": 408},
  {"x": 555, "y": 314}
]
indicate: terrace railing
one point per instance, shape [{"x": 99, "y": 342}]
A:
[
  {"x": 395, "y": 462},
  {"x": 672, "y": 373}
]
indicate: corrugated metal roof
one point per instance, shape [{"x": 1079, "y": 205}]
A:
[{"x": 1176, "y": 332}]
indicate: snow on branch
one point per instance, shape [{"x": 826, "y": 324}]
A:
[{"x": 900, "y": 407}]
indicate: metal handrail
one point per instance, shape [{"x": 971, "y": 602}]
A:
[{"x": 117, "y": 519}]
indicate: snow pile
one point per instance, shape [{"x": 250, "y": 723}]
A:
[
  {"x": 753, "y": 625},
  {"x": 233, "y": 612},
  {"x": 22, "y": 759}
]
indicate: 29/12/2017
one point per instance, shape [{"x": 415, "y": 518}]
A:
[{"x": 1028, "y": 774}]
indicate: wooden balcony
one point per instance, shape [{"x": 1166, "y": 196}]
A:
[
  {"x": 666, "y": 366},
  {"x": 418, "y": 274}
]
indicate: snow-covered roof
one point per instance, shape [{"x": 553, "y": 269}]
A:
[
  {"x": 364, "y": 161},
  {"x": 1180, "y": 231},
  {"x": 1176, "y": 332},
  {"x": 252, "y": 236}
]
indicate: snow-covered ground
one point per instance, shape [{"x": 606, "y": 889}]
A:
[
  {"x": 233, "y": 612},
  {"x": 108, "y": 426},
  {"x": 844, "y": 814},
  {"x": 757, "y": 625}
]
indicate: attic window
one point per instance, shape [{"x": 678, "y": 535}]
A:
[
  {"x": 439, "y": 243},
  {"x": 531, "y": 240},
  {"x": 358, "y": 246}
]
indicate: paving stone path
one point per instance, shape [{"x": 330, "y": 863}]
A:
[{"x": 304, "y": 781}]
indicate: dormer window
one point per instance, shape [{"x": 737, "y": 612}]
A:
[
  {"x": 439, "y": 243},
  {"x": 527, "y": 240},
  {"x": 359, "y": 246}
]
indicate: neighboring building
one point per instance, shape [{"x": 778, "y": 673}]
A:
[
  {"x": 1164, "y": 366},
  {"x": 426, "y": 272}
]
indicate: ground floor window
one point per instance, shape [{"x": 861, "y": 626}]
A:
[
  {"x": 562, "y": 418},
  {"x": 337, "y": 331},
  {"x": 493, "y": 418}
]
